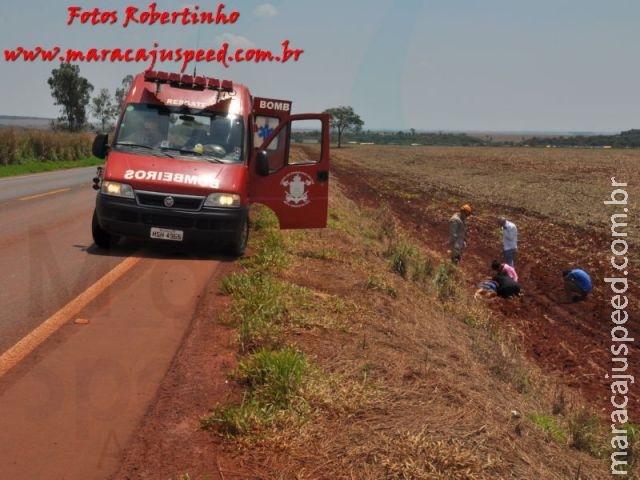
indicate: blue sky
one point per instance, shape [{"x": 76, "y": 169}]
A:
[{"x": 454, "y": 65}]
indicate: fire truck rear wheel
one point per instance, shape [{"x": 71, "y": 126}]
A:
[
  {"x": 102, "y": 238},
  {"x": 239, "y": 244}
]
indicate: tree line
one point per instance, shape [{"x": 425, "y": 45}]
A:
[
  {"x": 626, "y": 139},
  {"x": 72, "y": 93}
]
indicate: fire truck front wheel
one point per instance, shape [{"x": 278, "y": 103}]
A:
[
  {"x": 102, "y": 238},
  {"x": 241, "y": 237}
]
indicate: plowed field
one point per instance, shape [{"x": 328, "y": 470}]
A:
[{"x": 555, "y": 196}]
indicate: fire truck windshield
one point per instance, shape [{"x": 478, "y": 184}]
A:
[{"x": 180, "y": 132}]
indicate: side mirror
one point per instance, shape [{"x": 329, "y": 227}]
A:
[
  {"x": 99, "y": 147},
  {"x": 262, "y": 163}
]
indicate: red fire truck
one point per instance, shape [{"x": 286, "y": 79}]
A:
[{"x": 190, "y": 154}]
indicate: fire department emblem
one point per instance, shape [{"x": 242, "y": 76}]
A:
[{"x": 296, "y": 194}]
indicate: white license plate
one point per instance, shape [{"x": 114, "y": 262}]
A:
[{"x": 166, "y": 234}]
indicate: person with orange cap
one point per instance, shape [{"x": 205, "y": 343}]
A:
[{"x": 457, "y": 241}]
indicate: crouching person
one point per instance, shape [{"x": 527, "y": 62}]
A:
[
  {"x": 577, "y": 283},
  {"x": 505, "y": 285}
]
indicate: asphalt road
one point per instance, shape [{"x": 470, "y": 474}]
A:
[
  {"x": 46, "y": 248},
  {"x": 12, "y": 188},
  {"x": 85, "y": 335}
]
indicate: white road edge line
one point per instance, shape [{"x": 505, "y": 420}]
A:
[{"x": 38, "y": 335}]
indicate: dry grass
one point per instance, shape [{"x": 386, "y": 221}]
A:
[
  {"x": 412, "y": 388},
  {"x": 566, "y": 185},
  {"x": 18, "y": 145}
]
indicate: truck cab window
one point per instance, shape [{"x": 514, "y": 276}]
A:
[
  {"x": 143, "y": 126},
  {"x": 306, "y": 137}
]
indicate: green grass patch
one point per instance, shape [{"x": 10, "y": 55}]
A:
[
  {"x": 407, "y": 261},
  {"x": 263, "y": 218},
  {"x": 454, "y": 200},
  {"x": 408, "y": 195},
  {"x": 274, "y": 377},
  {"x": 584, "y": 430},
  {"x": 35, "y": 166},
  {"x": 470, "y": 320},
  {"x": 376, "y": 284},
  {"x": 269, "y": 253},
  {"x": 446, "y": 282},
  {"x": 247, "y": 418},
  {"x": 342, "y": 221},
  {"x": 550, "y": 425},
  {"x": 274, "y": 381},
  {"x": 323, "y": 253},
  {"x": 259, "y": 308}
]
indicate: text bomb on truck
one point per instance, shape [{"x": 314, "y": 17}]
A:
[{"x": 190, "y": 154}]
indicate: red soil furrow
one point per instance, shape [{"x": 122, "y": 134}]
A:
[{"x": 569, "y": 340}]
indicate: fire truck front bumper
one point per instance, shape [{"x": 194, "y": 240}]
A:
[{"x": 126, "y": 217}]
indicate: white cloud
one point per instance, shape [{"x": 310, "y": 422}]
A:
[
  {"x": 265, "y": 10},
  {"x": 235, "y": 41}
]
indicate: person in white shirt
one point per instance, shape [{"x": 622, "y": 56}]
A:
[{"x": 509, "y": 240}]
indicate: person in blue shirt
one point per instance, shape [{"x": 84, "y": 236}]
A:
[{"x": 577, "y": 282}]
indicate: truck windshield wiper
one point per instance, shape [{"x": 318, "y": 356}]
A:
[
  {"x": 187, "y": 151},
  {"x": 128, "y": 144},
  {"x": 180, "y": 150}
]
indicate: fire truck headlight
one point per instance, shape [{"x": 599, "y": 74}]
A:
[
  {"x": 230, "y": 200},
  {"x": 117, "y": 189}
]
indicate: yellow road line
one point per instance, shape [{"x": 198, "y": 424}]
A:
[
  {"x": 37, "y": 336},
  {"x": 52, "y": 192}
]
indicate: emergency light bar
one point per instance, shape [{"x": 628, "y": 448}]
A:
[{"x": 189, "y": 81}]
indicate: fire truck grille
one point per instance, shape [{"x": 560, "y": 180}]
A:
[
  {"x": 168, "y": 221},
  {"x": 169, "y": 201},
  {"x": 175, "y": 221}
]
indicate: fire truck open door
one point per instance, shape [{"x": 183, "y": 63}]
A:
[{"x": 289, "y": 172}]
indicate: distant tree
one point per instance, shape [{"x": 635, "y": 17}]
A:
[
  {"x": 72, "y": 92},
  {"x": 103, "y": 108},
  {"x": 121, "y": 92},
  {"x": 344, "y": 119}
]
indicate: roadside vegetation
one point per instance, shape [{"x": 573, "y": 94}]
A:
[
  {"x": 282, "y": 383},
  {"x": 362, "y": 355},
  {"x": 30, "y": 151}
]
